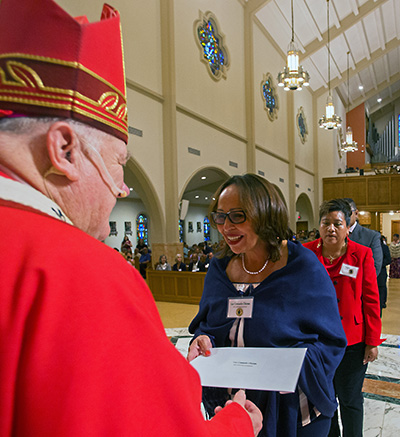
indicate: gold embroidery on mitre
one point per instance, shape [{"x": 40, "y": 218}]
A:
[
  {"x": 109, "y": 101},
  {"x": 24, "y": 76}
]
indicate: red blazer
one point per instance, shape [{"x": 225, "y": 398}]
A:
[{"x": 358, "y": 298}]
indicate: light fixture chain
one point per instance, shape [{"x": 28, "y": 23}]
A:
[
  {"x": 292, "y": 23},
  {"x": 348, "y": 87},
  {"x": 329, "y": 54}
]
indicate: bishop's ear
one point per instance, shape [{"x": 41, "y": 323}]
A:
[{"x": 63, "y": 146}]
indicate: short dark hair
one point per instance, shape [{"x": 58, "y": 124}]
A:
[
  {"x": 263, "y": 206},
  {"x": 342, "y": 205},
  {"x": 351, "y": 202}
]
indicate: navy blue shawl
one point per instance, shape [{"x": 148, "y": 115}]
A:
[{"x": 295, "y": 306}]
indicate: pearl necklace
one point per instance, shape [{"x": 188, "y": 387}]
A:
[{"x": 253, "y": 273}]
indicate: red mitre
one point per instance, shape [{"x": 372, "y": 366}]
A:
[{"x": 52, "y": 64}]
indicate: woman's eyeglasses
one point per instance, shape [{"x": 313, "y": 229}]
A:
[{"x": 236, "y": 217}]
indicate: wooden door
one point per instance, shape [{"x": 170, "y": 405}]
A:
[{"x": 395, "y": 228}]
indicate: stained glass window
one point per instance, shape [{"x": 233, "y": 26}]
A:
[
  {"x": 302, "y": 125},
  {"x": 141, "y": 228},
  {"x": 206, "y": 229},
  {"x": 181, "y": 227},
  {"x": 213, "y": 52},
  {"x": 270, "y": 97}
]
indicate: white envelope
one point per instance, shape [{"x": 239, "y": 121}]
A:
[{"x": 272, "y": 369}]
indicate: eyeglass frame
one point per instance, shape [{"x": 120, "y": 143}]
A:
[{"x": 227, "y": 214}]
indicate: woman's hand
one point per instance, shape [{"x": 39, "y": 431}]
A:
[
  {"x": 200, "y": 346},
  {"x": 370, "y": 354},
  {"x": 252, "y": 410}
]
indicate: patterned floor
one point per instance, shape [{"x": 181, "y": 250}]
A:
[{"x": 381, "y": 387}]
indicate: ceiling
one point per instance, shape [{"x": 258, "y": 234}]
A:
[
  {"x": 369, "y": 29},
  {"x": 203, "y": 185}
]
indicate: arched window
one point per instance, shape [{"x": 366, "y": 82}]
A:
[
  {"x": 141, "y": 228},
  {"x": 181, "y": 227},
  {"x": 206, "y": 229}
]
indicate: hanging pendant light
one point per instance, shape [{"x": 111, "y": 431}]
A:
[
  {"x": 349, "y": 145},
  {"x": 293, "y": 77},
  {"x": 330, "y": 120}
]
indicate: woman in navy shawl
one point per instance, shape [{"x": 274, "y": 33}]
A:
[{"x": 293, "y": 305}]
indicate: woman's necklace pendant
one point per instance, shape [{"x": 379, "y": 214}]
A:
[{"x": 253, "y": 273}]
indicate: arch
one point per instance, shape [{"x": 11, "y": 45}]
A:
[
  {"x": 215, "y": 177},
  {"x": 280, "y": 193},
  {"x": 138, "y": 179},
  {"x": 199, "y": 193},
  {"x": 304, "y": 207}
]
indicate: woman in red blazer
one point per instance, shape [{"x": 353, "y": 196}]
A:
[{"x": 351, "y": 268}]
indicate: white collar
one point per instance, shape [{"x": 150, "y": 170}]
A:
[
  {"x": 351, "y": 228},
  {"x": 26, "y": 195}
]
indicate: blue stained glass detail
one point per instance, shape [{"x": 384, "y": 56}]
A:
[
  {"x": 206, "y": 223},
  {"x": 211, "y": 47},
  {"x": 270, "y": 99},
  {"x": 181, "y": 227},
  {"x": 141, "y": 228},
  {"x": 302, "y": 126}
]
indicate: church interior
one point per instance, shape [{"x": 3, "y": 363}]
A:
[{"x": 303, "y": 93}]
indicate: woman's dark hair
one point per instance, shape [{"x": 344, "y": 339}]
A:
[
  {"x": 336, "y": 205},
  {"x": 263, "y": 206}
]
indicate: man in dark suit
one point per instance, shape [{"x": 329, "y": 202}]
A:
[{"x": 366, "y": 237}]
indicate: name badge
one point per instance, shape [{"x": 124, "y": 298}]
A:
[
  {"x": 240, "y": 307},
  {"x": 348, "y": 270}
]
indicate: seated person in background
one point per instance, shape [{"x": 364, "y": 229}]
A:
[
  {"x": 201, "y": 247},
  {"x": 163, "y": 264},
  {"x": 126, "y": 244},
  {"x": 185, "y": 249},
  {"x": 141, "y": 245},
  {"x": 179, "y": 266},
  {"x": 144, "y": 261},
  {"x": 208, "y": 260},
  {"x": 196, "y": 265},
  {"x": 207, "y": 249},
  {"x": 311, "y": 235},
  {"x": 203, "y": 260},
  {"x": 129, "y": 258}
]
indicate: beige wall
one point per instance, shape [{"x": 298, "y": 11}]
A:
[
  {"x": 271, "y": 135},
  {"x": 274, "y": 169},
  {"x": 146, "y": 114},
  {"x": 216, "y": 149}
]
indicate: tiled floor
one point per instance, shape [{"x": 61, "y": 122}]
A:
[{"x": 382, "y": 383}]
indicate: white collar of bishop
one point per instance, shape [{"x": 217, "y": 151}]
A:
[{"x": 26, "y": 195}]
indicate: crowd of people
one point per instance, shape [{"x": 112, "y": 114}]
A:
[{"x": 195, "y": 259}]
